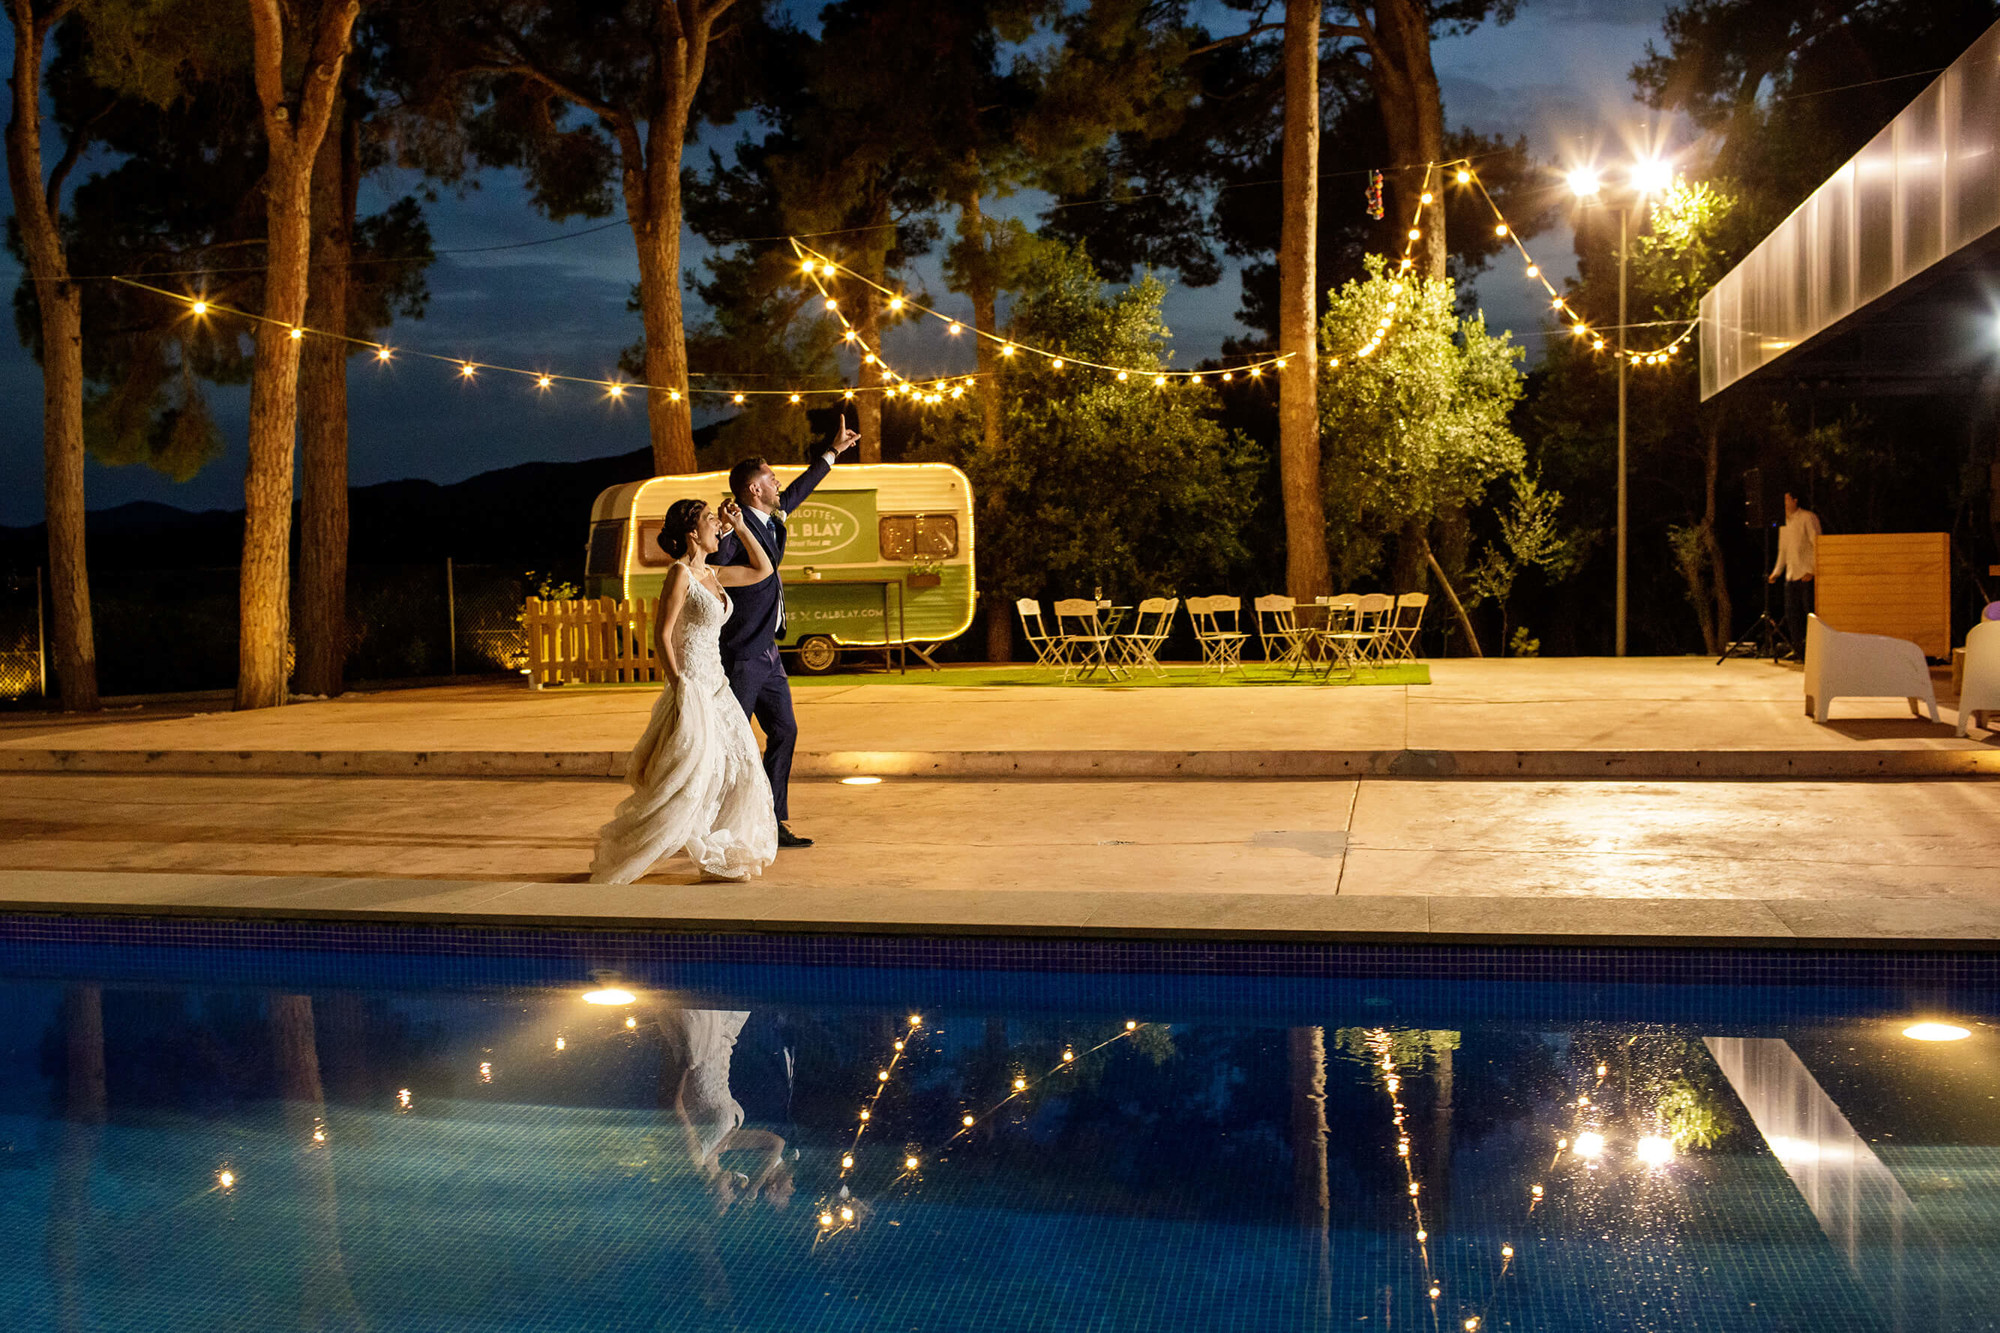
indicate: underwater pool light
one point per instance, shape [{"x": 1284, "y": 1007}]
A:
[
  {"x": 609, "y": 995},
  {"x": 1936, "y": 1032}
]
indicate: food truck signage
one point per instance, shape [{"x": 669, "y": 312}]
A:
[{"x": 837, "y": 527}]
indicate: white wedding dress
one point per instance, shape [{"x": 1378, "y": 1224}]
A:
[{"x": 698, "y": 783}]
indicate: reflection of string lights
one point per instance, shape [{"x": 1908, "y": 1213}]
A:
[
  {"x": 1385, "y": 1067},
  {"x": 225, "y": 1179},
  {"x": 831, "y": 1224}
]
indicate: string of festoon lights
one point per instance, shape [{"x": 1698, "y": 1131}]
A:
[
  {"x": 1559, "y": 305},
  {"x": 816, "y": 267},
  {"x": 468, "y": 370},
  {"x": 1391, "y": 1081},
  {"x": 841, "y": 1212}
]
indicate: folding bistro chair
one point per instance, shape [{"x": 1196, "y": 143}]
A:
[
  {"x": 1278, "y": 632},
  {"x": 1150, "y": 628},
  {"x": 1050, "y": 651},
  {"x": 1087, "y": 648},
  {"x": 1343, "y": 643},
  {"x": 1221, "y": 643},
  {"x": 1405, "y": 626},
  {"x": 1373, "y": 617}
]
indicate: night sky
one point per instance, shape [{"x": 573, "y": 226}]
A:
[{"x": 1556, "y": 74}]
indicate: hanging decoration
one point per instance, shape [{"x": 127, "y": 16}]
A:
[{"x": 1374, "y": 195}]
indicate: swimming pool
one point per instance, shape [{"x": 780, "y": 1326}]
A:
[{"x": 215, "y": 1125}]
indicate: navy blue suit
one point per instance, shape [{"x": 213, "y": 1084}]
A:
[{"x": 750, "y": 635}]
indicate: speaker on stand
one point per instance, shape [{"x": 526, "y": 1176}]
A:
[{"x": 1765, "y": 633}]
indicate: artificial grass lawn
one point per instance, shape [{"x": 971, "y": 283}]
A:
[{"x": 1179, "y": 676}]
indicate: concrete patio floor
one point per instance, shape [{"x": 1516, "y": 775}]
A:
[
  {"x": 1553, "y": 718},
  {"x": 1882, "y": 863}
]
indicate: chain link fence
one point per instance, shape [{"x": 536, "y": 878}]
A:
[
  {"x": 22, "y": 668},
  {"x": 167, "y": 631}
]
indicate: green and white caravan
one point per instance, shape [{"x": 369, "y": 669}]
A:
[{"x": 869, "y": 532}]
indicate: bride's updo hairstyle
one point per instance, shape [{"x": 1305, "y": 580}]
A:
[{"x": 677, "y": 529}]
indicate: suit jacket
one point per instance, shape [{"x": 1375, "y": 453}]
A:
[{"x": 753, "y": 619}]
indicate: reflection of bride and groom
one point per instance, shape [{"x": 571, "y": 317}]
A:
[{"x": 697, "y": 784}]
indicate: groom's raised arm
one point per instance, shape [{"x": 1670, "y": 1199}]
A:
[{"x": 795, "y": 494}]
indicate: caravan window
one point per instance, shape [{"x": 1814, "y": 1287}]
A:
[
  {"x": 650, "y": 554},
  {"x": 918, "y": 536},
  {"x": 607, "y": 546}
]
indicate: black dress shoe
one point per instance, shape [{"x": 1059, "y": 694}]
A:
[{"x": 787, "y": 838}]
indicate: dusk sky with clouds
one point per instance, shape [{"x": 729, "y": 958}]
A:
[{"x": 1557, "y": 74}]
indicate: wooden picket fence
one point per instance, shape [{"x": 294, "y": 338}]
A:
[{"x": 590, "y": 640}]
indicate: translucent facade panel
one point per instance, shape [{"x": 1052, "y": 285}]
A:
[
  {"x": 1875, "y": 217},
  {"x": 1919, "y": 183},
  {"x": 1927, "y": 185},
  {"x": 1972, "y": 144}
]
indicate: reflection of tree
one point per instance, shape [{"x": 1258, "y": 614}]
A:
[
  {"x": 83, "y": 1125},
  {"x": 327, "y": 1300},
  {"x": 1306, "y": 1048},
  {"x": 1689, "y": 1101}
]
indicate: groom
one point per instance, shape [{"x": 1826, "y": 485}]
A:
[{"x": 757, "y": 619}]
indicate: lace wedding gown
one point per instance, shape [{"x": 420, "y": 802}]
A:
[{"x": 698, "y": 784}]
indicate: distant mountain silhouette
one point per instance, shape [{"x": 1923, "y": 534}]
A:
[{"x": 533, "y": 516}]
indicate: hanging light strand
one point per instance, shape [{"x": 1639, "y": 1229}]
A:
[
  {"x": 1559, "y": 305},
  {"x": 469, "y": 370}
]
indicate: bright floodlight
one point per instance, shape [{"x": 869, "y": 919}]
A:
[
  {"x": 1656, "y": 1151},
  {"x": 1936, "y": 1032},
  {"x": 1583, "y": 182},
  {"x": 609, "y": 995},
  {"x": 1589, "y": 1145},
  {"x": 1652, "y": 176}
]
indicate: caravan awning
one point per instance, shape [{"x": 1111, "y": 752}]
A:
[{"x": 1887, "y": 278}]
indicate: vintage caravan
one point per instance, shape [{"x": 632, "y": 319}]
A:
[{"x": 880, "y": 553}]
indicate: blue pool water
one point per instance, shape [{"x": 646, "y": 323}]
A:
[{"x": 224, "y": 1126}]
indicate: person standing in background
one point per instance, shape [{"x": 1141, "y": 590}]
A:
[{"x": 1798, "y": 550}]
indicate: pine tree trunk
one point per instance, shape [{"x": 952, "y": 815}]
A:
[
  {"x": 1406, "y": 90},
  {"x": 868, "y": 322},
  {"x": 293, "y": 129},
  {"x": 322, "y": 592},
  {"x": 653, "y": 205},
  {"x": 62, "y": 489},
  {"x": 1307, "y": 571},
  {"x": 60, "y": 306},
  {"x": 984, "y": 294}
]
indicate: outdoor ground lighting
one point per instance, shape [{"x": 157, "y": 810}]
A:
[
  {"x": 861, "y": 782},
  {"x": 1936, "y": 1032}
]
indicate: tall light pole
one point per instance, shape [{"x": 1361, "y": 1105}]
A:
[{"x": 1642, "y": 179}]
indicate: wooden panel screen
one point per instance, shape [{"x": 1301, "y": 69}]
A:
[{"x": 1893, "y": 583}]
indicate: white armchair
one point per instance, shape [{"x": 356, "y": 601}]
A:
[
  {"x": 1840, "y": 665},
  {"x": 1980, "y": 692}
]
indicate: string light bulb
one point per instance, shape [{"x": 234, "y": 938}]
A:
[
  {"x": 1499, "y": 229},
  {"x": 1464, "y": 176},
  {"x": 296, "y": 333},
  {"x": 615, "y": 389},
  {"x": 384, "y": 353},
  {"x": 467, "y": 370},
  {"x": 544, "y": 382},
  {"x": 198, "y": 308},
  {"x": 1425, "y": 197},
  {"x": 1056, "y": 364}
]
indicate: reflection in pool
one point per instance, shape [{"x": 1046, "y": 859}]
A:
[{"x": 212, "y": 1128}]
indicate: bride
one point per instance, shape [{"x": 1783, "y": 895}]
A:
[{"x": 698, "y": 785}]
